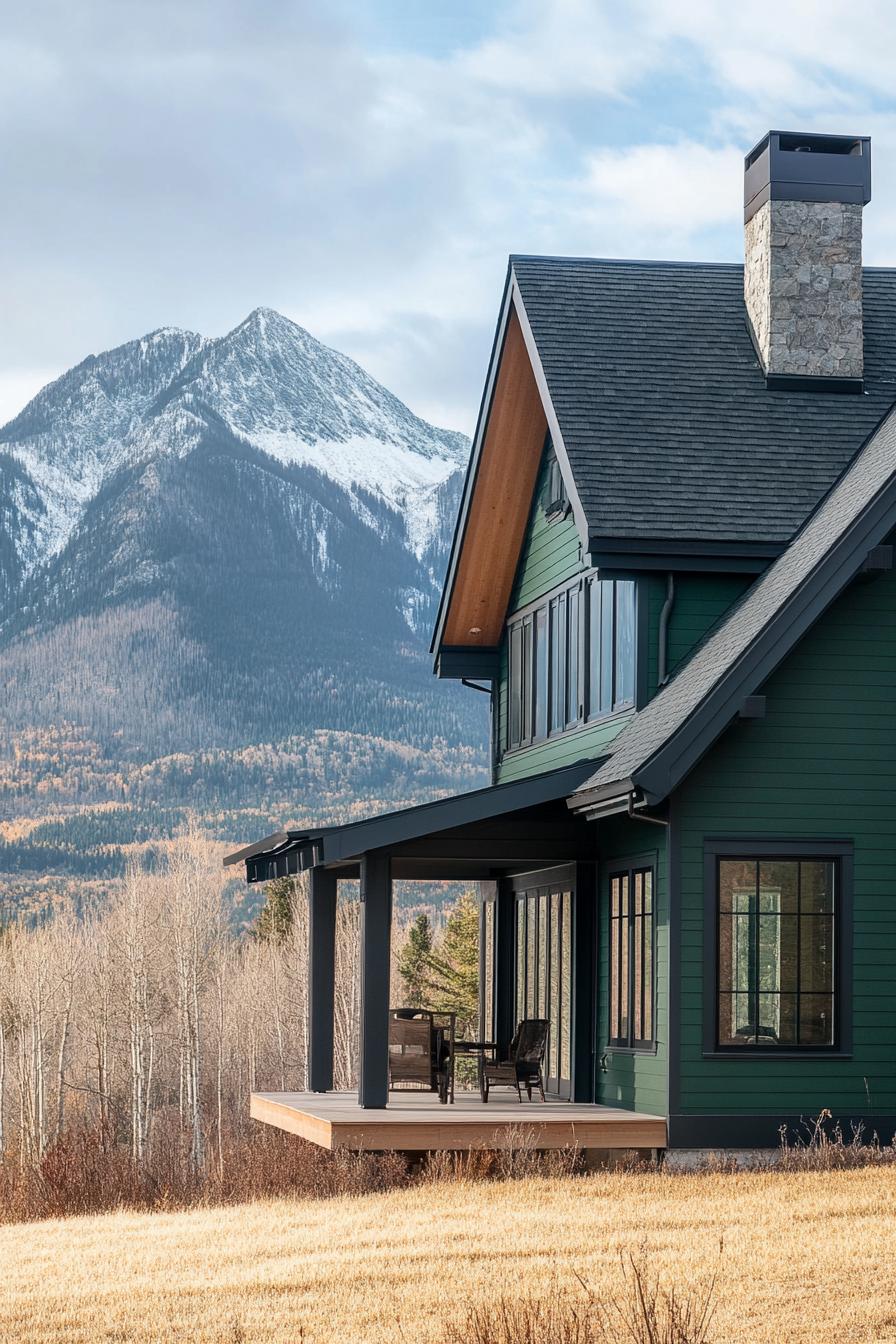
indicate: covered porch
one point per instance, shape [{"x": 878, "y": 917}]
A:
[{"x": 535, "y": 863}]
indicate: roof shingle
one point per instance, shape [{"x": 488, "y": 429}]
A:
[{"x": 670, "y": 430}]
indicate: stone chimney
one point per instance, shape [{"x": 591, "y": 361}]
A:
[{"x": 803, "y": 199}]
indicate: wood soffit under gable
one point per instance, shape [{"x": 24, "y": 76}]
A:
[{"x": 501, "y": 501}]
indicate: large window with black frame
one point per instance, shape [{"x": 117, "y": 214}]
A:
[
  {"x": 570, "y": 659},
  {"x": 544, "y": 954},
  {"x": 777, "y": 930},
  {"x": 632, "y": 958}
]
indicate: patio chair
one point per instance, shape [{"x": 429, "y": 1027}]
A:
[
  {"x": 523, "y": 1067},
  {"x": 417, "y": 1057}
]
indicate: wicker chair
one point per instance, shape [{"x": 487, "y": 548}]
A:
[
  {"x": 418, "y": 1055},
  {"x": 524, "y": 1065}
]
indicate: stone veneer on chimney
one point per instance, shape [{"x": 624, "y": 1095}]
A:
[{"x": 803, "y": 258}]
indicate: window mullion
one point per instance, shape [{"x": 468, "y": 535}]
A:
[{"x": 756, "y": 956}]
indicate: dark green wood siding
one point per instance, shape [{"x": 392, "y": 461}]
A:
[
  {"x": 551, "y": 554},
  {"x": 700, "y": 602},
  {"x": 636, "y": 1080},
  {"x": 822, "y": 763}
]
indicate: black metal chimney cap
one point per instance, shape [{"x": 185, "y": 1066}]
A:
[{"x": 792, "y": 166}]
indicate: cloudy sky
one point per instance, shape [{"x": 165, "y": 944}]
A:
[{"x": 365, "y": 167}]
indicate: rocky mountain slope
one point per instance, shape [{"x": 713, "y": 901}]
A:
[{"x": 219, "y": 563}]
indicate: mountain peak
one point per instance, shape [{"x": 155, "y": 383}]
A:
[{"x": 268, "y": 382}]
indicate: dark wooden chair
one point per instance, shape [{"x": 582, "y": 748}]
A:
[
  {"x": 418, "y": 1055},
  {"x": 524, "y": 1065}
]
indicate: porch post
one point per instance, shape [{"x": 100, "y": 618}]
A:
[
  {"x": 321, "y": 978},
  {"x": 505, "y": 965},
  {"x": 584, "y": 985},
  {"x": 376, "y": 927}
]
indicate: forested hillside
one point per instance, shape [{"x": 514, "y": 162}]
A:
[{"x": 219, "y": 567}]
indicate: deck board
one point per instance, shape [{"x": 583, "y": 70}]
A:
[{"x": 417, "y": 1122}]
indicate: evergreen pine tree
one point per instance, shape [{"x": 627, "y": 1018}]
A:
[
  {"x": 452, "y": 968},
  {"x": 413, "y": 963},
  {"x": 275, "y": 917}
]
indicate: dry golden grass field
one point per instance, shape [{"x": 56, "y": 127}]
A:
[{"x": 807, "y": 1257}]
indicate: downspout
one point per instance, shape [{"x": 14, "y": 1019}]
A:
[
  {"x": 663, "y": 654},
  {"x": 493, "y": 722},
  {"x": 642, "y": 816}
]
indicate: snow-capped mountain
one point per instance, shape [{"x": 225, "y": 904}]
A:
[
  {"x": 209, "y": 548},
  {"x": 269, "y": 382}
]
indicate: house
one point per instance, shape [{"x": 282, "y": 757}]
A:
[{"x": 673, "y": 569}]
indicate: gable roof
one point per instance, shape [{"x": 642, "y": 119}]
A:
[
  {"x": 667, "y": 738},
  {"x": 667, "y": 425}
]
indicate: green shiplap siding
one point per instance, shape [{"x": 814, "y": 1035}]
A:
[
  {"x": 636, "y": 1080},
  {"x": 700, "y": 601},
  {"x": 822, "y": 763},
  {"x": 580, "y": 744},
  {"x": 551, "y": 554}
]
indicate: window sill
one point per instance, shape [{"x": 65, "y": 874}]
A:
[
  {"x": 819, "y": 1052},
  {"x": 631, "y": 1050}
]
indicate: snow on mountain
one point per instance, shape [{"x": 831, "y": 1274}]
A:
[
  {"x": 268, "y": 382},
  {"x": 72, "y": 436}
]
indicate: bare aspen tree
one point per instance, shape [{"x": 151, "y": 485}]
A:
[
  {"x": 150, "y": 1006},
  {"x": 4, "y": 1019},
  {"x": 134, "y": 934},
  {"x": 193, "y": 918},
  {"x": 65, "y": 950},
  {"x": 346, "y": 1014}
]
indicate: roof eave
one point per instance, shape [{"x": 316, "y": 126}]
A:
[{"x": 460, "y": 526}]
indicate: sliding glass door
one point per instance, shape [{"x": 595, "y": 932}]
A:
[{"x": 544, "y": 968}]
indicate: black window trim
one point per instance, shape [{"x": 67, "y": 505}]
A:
[
  {"x": 637, "y": 863},
  {"x": 527, "y": 612},
  {"x": 752, "y": 848}
]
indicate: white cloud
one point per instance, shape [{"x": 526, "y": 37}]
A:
[
  {"x": 661, "y": 195},
  {"x": 182, "y": 164}
]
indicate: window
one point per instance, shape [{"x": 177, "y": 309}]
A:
[
  {"x": 777, "y": 952},
  {"x": 544, "y": 971},
  {"x": 555, "y": 503},
  {"x": 571, "y": 659},
  {"x": 611, "y": 645},
  {"x": 631, "y": 958}
]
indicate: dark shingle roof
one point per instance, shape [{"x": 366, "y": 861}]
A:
[
  {"x": 662, "y": 405},
  {"x": 665, "y": 738}
]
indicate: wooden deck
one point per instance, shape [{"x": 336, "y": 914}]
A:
[{"x": 415, "y": 1121}]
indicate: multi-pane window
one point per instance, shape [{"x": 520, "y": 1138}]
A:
[
  {"x": 631, "y": 958},
  {"x": 571, "y": 660},
  {"x": 777, "y": 951},
  {"x": 544, "y": 973}
]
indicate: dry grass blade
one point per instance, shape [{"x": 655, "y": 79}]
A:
[{"x": 645, "y": 1310}]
